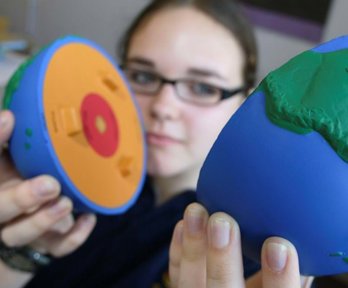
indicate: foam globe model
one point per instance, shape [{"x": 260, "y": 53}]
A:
[
  {"x": 77, "y": 121},
  {"x": 279, "y": 166}
]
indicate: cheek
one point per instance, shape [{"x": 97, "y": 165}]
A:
[
  {"x": 144, "y": 106},
  {"x": 204, "y": 127},
  {"x": 203, "y": 130}
]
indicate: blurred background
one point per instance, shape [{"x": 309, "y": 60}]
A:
[{"x": 283, "y": 29}]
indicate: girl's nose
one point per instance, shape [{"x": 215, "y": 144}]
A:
[{"x": 165, "y": 105}]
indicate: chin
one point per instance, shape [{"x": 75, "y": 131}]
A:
[
  {"x": 161, "y": 172},
  {"x": 163, "y": 169}
]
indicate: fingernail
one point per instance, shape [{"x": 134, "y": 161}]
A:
[
  {"x": 3, "y": 121},
  {"x": 220, "y": 231},
  {"x": 87, "y": 220},
  {"x": 276, "y": 256},
  {"x": 45, "y": 188},
  {"x": 59, "y": 208},
  {"x": 195, "y": 220}
]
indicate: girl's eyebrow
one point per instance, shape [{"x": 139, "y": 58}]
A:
[
  {"x": 205, "y": 73},
  {"x": 141, "y": 61},
  {"x": 197, "y": 72}
]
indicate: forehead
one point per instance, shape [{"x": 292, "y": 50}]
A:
[{"x": 177, "y": 38}]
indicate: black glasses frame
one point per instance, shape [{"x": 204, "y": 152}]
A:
[{"x": 224, "y": 93}]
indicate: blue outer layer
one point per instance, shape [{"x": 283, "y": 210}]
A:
[
  {"x": 279, "y": 183},
  {"x": 333, "y": 45},
  {"x": 40, "y": 158}
]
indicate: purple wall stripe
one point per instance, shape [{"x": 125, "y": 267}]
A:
[{"x": 283, "y": 23}]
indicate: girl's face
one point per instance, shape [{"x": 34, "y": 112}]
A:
[{"x": 183, "y": 43}]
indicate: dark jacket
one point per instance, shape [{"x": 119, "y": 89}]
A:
[{"x": 129, "y": 250}]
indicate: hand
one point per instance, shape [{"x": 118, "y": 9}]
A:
[
  {"x": 32, "y": 212},
  {"x": 206, "y": 252}
]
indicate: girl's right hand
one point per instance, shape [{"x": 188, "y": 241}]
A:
[
  {"x": 32, "y": 211},
  {"x": 206, "y": 252}
]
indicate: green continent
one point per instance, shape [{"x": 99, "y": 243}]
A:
[
  {"x": 13, "y": 83},
  {"x": 16, "y": 78},
  {"x": 310, "y": 92}
]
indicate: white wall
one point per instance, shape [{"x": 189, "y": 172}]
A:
[
  {"x": 14, "y": 9},
  {"x": 276, "y": 48},
  {"x": 100, "y": 20},
  {"x": 104, "y": 20},
  {"x": 338, "y": 20}
]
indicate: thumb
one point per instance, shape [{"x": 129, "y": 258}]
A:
[{"x": 280, "y": 267}]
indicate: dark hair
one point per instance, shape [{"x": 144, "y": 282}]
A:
[{"x": 226, "y": 12}]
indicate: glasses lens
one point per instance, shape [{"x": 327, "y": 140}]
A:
[
  {"x": 198, "y": 92},
  {"x": 143, "y": 81}
]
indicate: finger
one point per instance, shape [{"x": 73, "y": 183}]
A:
[
  {"x": 26, "y": 196},
  {"x": 64, "y": 225},
  {"x": 255, "y": 281},
  {"x": 280, "y": 268},
  {"x": 61, "y": 245},
  {"x": 28, "y": 229},
  {"x": 175, "y": 254},
  {"x": 10, "y": 183},
  {"x": 306, "y": 281},
  {"x": 224, "y": 261},
  {"x": 193, "y": 260},
  {"x": 6, "y": 126},
  {"x": 7, "y": 169}
]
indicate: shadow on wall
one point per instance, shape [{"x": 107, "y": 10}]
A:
[{"x": 300, "y": 18}]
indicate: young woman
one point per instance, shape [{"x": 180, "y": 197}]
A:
[{"x": 190, "y": 64}]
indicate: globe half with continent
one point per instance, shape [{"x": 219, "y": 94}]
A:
[{"x": 279, "y": 166}]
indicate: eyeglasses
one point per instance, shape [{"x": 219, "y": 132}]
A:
[{"x": 191, "y": 91}]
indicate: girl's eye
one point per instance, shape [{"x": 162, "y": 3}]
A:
[
  {"x": 204, "y": 90},
  {"x": 142, "y": 77}
]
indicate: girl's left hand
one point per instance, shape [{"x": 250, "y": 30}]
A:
[{"x": 206, "y": 252}]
